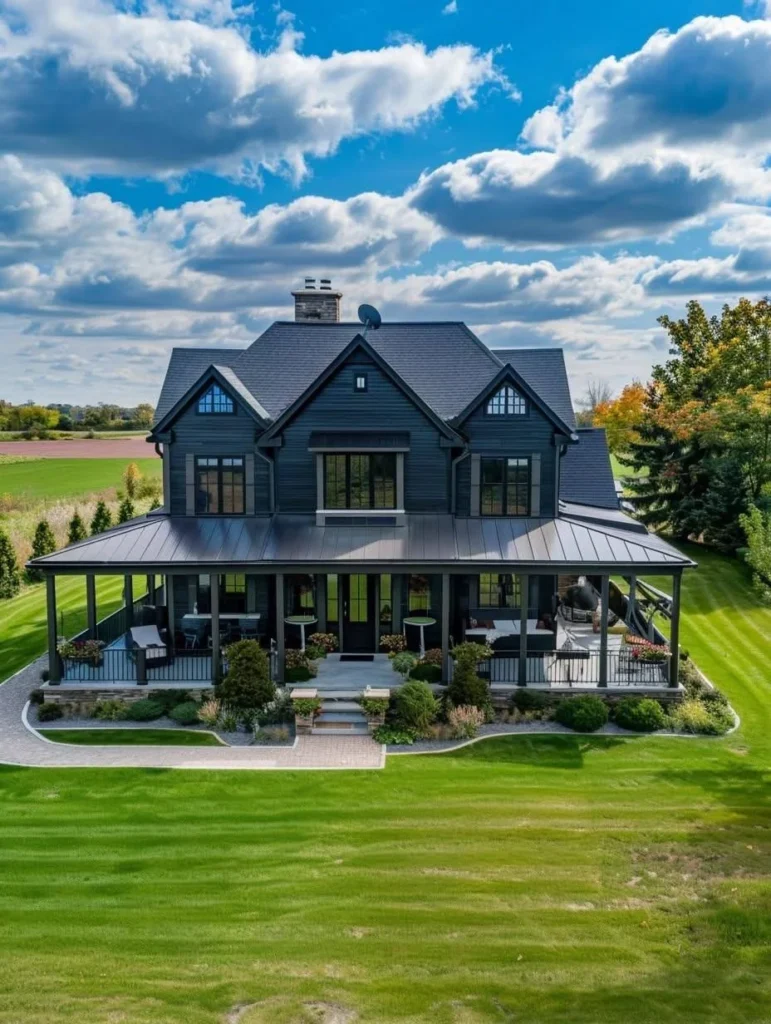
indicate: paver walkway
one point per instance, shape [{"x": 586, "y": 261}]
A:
[{"x": 19, "y": 746}]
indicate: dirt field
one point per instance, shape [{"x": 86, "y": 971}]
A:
[{"x": 127, "y": 448}]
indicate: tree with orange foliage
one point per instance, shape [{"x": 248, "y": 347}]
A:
[{"x": 622, "y": 416}]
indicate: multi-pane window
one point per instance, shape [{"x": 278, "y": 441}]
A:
[
  {"x": 358, "y": 601},
  {"x": 300, "y": 595},
  {"x": 220, "y": 486},
  {"x": 506, "y": 402},
  {"x": 362, "y": 481},
  {"x": 419, "y": 594},
  {"x": 505, "y": 487},
  {"x": 386, "y": 602},
  {"x": 360, "y": 382},
  {"x": 333, "y": 598},
  {"x": 498, "y": 590},
  {"x": 215, "y": 400},
  {"x": 233, "y": 593}
]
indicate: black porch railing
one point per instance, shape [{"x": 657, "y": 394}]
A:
[
  {"x": 574, "y": 668},
  {"x": 141, "y": 665}
]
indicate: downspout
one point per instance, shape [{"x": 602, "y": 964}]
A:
[
  {"x": 271, "y": 480},
  {"x": 453, "y": 484}
]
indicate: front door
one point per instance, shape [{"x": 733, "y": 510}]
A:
[{"x": 358, "y": 593}]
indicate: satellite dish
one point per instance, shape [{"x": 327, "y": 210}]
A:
[{"x": 369, "y": 316}]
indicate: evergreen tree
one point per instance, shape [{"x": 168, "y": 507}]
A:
[
  {"x": 155, "y": 503},
  {"x": 248, "y": 684},
  {"x": 76, "y": 530},
  {"x": 126, "y": 510},
  {"x": 10, "y": 577},
  {"x": 43, "y": 543},
  {"x": 102, "y": 519}
]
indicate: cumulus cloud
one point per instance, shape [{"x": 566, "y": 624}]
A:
[{"x": 88, "y": 87}]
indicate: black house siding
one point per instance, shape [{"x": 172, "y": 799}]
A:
[
  {"x": 383, "y": 405},
  {"x": 213, "y": 435}
]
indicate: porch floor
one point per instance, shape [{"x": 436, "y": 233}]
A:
[{"x": 335, "y": 674}]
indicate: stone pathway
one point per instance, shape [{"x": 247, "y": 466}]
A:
[{"x": 20, "y": 746}]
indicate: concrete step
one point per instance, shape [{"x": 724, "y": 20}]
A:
[
  {"x": 333, "y": 704},
  {"x": 341, "y": 716},
  {"x": 336, "y": 729},
  {"x": 338, "y": 694}
]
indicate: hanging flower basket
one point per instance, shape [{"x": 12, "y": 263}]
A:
[{"x": 89, "y": 651}]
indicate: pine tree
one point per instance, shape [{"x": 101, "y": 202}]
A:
[
  {"x": 10, "y": 577},
  {"x": 76, "y": 530},
  {"x": 43, "y": 543},
  {"x": 155, "y": 503},
  {"x": 102, "y": 519},
  {"x": 126, "y": 511}
]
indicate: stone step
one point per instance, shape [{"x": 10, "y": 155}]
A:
[
  {"x": 338, "y": 694},
  {"x": 341, "y": 716},
  {"x": 333, "y": 704},
  {"x": 335, "y": 729}
]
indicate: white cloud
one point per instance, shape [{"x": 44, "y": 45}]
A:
[
  {"x": 87, "y": 87},
  {"x": 451, "y": 7}
]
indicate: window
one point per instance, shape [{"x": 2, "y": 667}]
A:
[
  {"x": 506, "y": 402},
  {"x": 499, "y": 591},
  {"x": 333, "y": 599},
  {"x": 386, "y": 603},
  {"x": 360, "y": 382},
  {"x": 360, "y": 481},
  {"x": 219, "y": 486},
  {"x": 300, "y": 595},
  {"x": 233, "y": 593},
  {"x": 505, "y": 487},
  {"x": 215, "y": 401},
  {"x": 419, "y": 593}
]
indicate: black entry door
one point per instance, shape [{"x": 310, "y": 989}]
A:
[{"x": 358, "y": 592}]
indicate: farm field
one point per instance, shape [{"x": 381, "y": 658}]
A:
[
  {"x": 47, "y": 480},
  {"x": 539, "y": 879}
]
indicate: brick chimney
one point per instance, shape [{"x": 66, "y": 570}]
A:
[{"x": 317, "y": 305}]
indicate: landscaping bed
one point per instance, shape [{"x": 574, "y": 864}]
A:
[{"x": 132, "y": 737}]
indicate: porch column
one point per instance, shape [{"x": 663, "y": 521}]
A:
[
  {"x": 445, "y": 626},
  {"x": 91, "y": 604},
  {"x": 214, "y": 596},
  {"x": 280, "y": 645},
  {"x": 168, "y": 588},
  {"x": 524, "y": 608},
  {"x": 674, "y": 636},
  {"x": 396, "y": 602},
  {"x": 632, "y": 598},
  {"x": 321, "y": 602},
  {"x": 128, "y": 600},
  {"x": 151, "y": 589},
  {"x": 54, "y": 675},
  {"x": 604, "y": 597}
]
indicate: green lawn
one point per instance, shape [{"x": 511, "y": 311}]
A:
[
  {"x": 132, "y": 737},
  {"x": 51, "y": 479},
  {"x": 543, "y": 879},
  {"x": 620, "y": 470},
  {"x": 23, "y": 633}
]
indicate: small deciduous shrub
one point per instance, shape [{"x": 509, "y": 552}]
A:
[
  {"x": 209, "y": 713},
  {"x": 315, "y": 652},
  {"x": 640, "y": 714},
  {"x": 229, "y": 721},
  {"x": 307, "y": 707},
  {"x": 393, "y": 642},
  {"x": 433, "y": 657},
  {"x": 416, "y": 707},
  {"x": 278, "y": 711},
  {"x": 696, "y": 717},
  {"x": 36, "y": 697},
  {"x": 326, "y": 640},
  {"x": 185, "y": 713},
  {"x": 394, "y": 735},
  {"x": 404, "y": 662},
  {"x": 144, "y": 710},
  {"x": 112, "y": 710},
  {"x": 529, "y": 700},
  {"x": 464, "y": 721},
  {"x": 273, "y": 734},
  {"x": 428, "y": 673},
  {"x": 49, "y": 712},
  {"x": 169, "y": 699},
  {"x": 584, "y": 714},
  {"x": 374, "y": 707}
]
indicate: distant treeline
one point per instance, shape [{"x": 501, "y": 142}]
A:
[{"x": 37, "y": 420}]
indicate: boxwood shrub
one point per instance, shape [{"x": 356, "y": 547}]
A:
[
  {"x": 145, "y": 710},
  {"x": 529, "y": 700},
  {"x": 584, "y": 714},
  {"x": 185, "y": 713},
  {"x": 640, "y": 714},
  {"x": 48, "y": 712}
]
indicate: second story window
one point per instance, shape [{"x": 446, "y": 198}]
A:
[
  {"x": 220, "y": 486},
  {"x": 360, "y": 381},
  {"x": 505, "y": 487},
  {"x": 506, "y": 402},
  {"x": 215, "y": 401},
  {"x": 360, "y": 481}
]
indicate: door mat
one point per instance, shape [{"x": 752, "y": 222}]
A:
[{"x": 357, "y": 657}]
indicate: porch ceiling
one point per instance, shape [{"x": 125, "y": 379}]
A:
[{"x": 164, "y": 543}]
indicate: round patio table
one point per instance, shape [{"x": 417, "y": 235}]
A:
[
  {"x": 422, "y": 621},
  {"x": 302, "y": 621}
]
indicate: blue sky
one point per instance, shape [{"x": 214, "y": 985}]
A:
[{"x": 550, "y": 173}]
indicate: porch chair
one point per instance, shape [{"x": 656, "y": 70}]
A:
[{"x": 249, "y": 629}]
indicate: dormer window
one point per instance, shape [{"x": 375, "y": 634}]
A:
[
  {"x": 215, "y": 401},
  {"x": 360, "y": 382},
  {"x": 507, "y": 402}
]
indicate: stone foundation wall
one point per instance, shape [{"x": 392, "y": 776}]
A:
[{"x": 88, "y": 697}]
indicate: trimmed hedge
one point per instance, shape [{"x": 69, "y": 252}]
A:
[
  {"x": 185, "y": 713},
  {"x": 640, "y": 714},
  {"x": 583, "y": 714},
  {"x": 529, "y": 700},
  {"x": 145, "y": 710}
]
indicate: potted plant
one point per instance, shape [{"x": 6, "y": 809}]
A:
[
  {"x": 375, "y": 710},
  {"x": 305, "y": 711},
  {"x": 82, "y": 650}
]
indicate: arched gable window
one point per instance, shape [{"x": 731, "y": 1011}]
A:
[
  {"x": 215, "y": 400},
  {"x": 506, "y": 402}
]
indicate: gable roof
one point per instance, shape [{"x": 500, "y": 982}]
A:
[
  {"x": 224, "y": 376},
  {"x": 359, "y": 344},
  {"x": 545, "y": 372},
  {"x": 507, "y": 374},
  {"x": 586, "y": 474}
]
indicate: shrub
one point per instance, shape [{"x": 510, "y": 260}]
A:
[
  {"x": 467, "y": 687},
  {"x": 36, "y": 697},
  {"x": 713, "y": 698},
  {"x": 248, "y": 683},
  {"x": 307, "y": 707},
  {"x": 110, "y": 710},
  {"x": 393, "y": 642},
  {"x": 404, "y": 662},
  {"x": 10, "y": 577},
  {"x": 229, "y": 722},
  {"x": 301, "y": 674},
  {"x": 464, "y": 722},
  {"x": 131, "y": 479},
  {"x": 374, "y": 707},
  {"x": 426, "y": 672},
  {"x": 326, "y": 640},
  {"x": 529, "y": 700},
  {"x": 394, "y": 735},
  {"x": 43, "y": 543},
  {"x": 145, "y": 710},
  {"x": 584, "y": 714},
  {"x": 416, "y": 706},
  {"x": 169, "y": 699},
  {"x": 209, "y": 713},
  {"x": 433, "y": 656},
  {"x": 185, "y": 713},
  {"x": 126, "y": 510},
  {"x": 640, "y": 714},
  {"x": 102, "y": 519},
  {"x": 76, "y": 530},
  {"x": 300, "y": 659},
  {"x": 278, "y": 711},
  {"x": 696, "y": 717},
  {"x": 49, "y": 712},
  {"x": 315, "y": 652},
  {"x": 249, "y": 720},
  {"x": 273, "y": 734}
]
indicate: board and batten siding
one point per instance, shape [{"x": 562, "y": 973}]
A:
[
  {"x": 511, "y": 436},
  {"x": 216, "y": 435},
  {"x": 383, "y": 406}
]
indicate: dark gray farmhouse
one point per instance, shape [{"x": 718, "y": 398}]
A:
[{"x": 357, "y": 481}]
